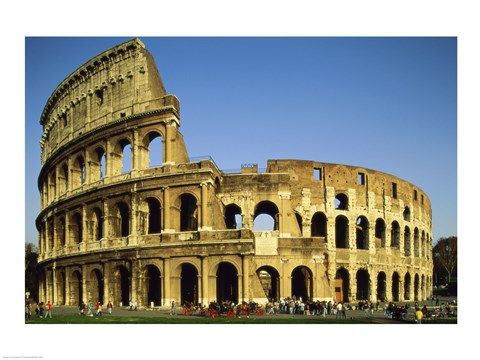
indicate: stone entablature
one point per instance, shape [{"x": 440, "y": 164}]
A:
[{"x": 185, "y": 230}]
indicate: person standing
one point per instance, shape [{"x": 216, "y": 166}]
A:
[
  {"x": 418, "y": 315},
  {"x": 28, "y": 312},
  {"x": 48, "y": 312},
  {"x": 173, "y": 311},
  {"x": 109, "y": 307}
]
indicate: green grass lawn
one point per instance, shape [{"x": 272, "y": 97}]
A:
[{"x": 76, "y": 319}]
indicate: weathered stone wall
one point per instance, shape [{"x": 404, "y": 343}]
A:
[{"x": 185, "y": 230}]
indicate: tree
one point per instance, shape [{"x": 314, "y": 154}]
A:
[
  {"x": 445, "y": 257},
  {"x": 31, "y": 273}
]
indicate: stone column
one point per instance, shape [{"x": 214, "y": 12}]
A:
[
  {"x": 54, "y": 285},
  {"x": 205, "y": 295},
  {"x": 46, "y": 242},
  {"x": 352, "y": 291},
  {"x": 204, "y": 204},
  {"x": 136, "y": 153},
  {"x": 168, "y": 135},
  {"x": 107, "y": 232},
  {"x": 133, "y": 237},
  {"x": 285, "y": 280},
  {"x": 106, "y": 282},
  {"x": 166, "y": 211},
  {"x": 67, "y": 286},
  {"x": 373, "y": 286},
  {"x": 245, "y": 277},
  {"x": 84, "y": 283},
  {"x": 84, "y": 227},
  {"x": 167, "y": 291}
]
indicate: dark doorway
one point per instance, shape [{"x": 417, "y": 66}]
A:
[
  {"x": 76, "y": 287},
  {"x": 189, "y": 284},
  {"x": 270, "y": 280},
  {"x": 342, "y": 285},
  {"x": 153, "y": 281},
  {"x": 363, "y": 285},
  {"x": 395, "y": 286},
  {"x": 381, "y": 286},
  {"x": 302, "y": 283},
  {"x": 227, "y": 283},
  {"x": 96, "y": 286}
]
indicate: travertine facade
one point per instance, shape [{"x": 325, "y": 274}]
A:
[{"x": 113, "y": 227}]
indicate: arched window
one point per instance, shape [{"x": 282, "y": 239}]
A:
[
  {"x": 407, "y": 245},
  {"x": 154, "y": 216},
  {"x": 406, "y": 214},
  {"x": 416, "y": 240},
  {"x": 361, "y": 233},
  {"x": 126, "y": 156},
  {"x": 395, "y": 235},
  {"x": 97, "y": 224},
  {"x": 341, "y": 232},
  {"x": 380, "y": 231},
  {"x": 155, "y": 149},
  {"x": 101, "y": 162},
  {"x": 188, "y": 213},
  {"x": 233, "y": 216},
  {"x": 319, "y": 225},
  {"x": 124, "y": 219},
  {"x": 77, "y": 228},
  {"x": 341, "y": 202},
  {"x": 265, "y": 216}
]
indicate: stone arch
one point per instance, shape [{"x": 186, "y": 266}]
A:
[
  {"x": 406, "y": 214},
  {"x": 76, "y": 288},
  {"x": 361, "y": 233},
  {"x": 416, "y": 242},
  {"x": 380, "y": 231},
  {"x": 189, "y": 289},
  {"x": 302, "y": 283},
  {"x": 76, "y": 226},
  {"x": 96, "y": 286},
  {"x": 341, "y": 202},
  {"x": 382, "y": 286},
  {"x": 342, "y": 285},
  {"x": 79, "y": 172},
  {"x": 154, "y": 149},
  {"x": 61, "y": 295},
  {"x": 97, "y": 223},
  {"x": 416, "y": 287},
  {"x": 188, "y": 212},
  {"x": 122, "y": 219},
  {"x": 227, "y": 282},
  {"x": 233, "y": 216},
  {"x": 407, "y": 286},
  {"x": 319, "y": 225},
  {"x": 341, "y": 232},
  {"x": 152, "y": 285},
  {"x": 406, "y": 241},
  {"x": 154, "y": 220},
  {"x": 266, "y": 209},
  {"x": 62, "y": 231},
  {"x": 363, "y": 284},
  {"x": 63, "y": 176},
  {"x": 121, "y": 285},
  {"x": 423, "y": 245},
  {"x": 395, "y": 286},
  {"x": 270, "y": 280},
  {"x": 395, "y": 235}
]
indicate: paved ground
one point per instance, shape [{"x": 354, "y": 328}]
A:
[{"x": 378, "y": 316}]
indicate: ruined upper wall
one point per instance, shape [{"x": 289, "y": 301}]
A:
[{"x": 118, "y": 83}]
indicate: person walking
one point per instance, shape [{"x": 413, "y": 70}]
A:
[
  {"x": 48, "y": 312},
  {"x": 418, "y": 315}
]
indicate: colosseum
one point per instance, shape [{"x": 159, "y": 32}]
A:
[{"x": 116, "y": 226}]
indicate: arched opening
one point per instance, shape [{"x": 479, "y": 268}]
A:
[
  {"x": 406, "y": 246},
  {"x": 395, "y": 286},
  {"x": 363, "y": 285},
  {"x": 341, "y": 232},
  {"x": 342, "y": 285},
  {"x": 123, "y": 218},
  {"x": 76, "y": 288},
  {"x": 100, "y": 164},
  {"x": 154, "y": 216},
  {"x": 341, "y": 202},
  {"x": 416, "y": 287},
  {"x": 77, "y": 228},
  {"x": 155, "y": 149},
  {"x": 189, "y": 284},
  {"x": 61, "y": 288},
  {"x": 80, "y": 172},
  {"x": 380, "y": 228},
  {"x": 233, "y": 216},
  {"x": 361, "y": 233},
  {"x": 406, "y": 289},
  {"x": 188, "y": 213},
  {"x": 62, "y": 232},
  {"x": 122, "y": 285},
  {"x": 382, "y": 286},
  {"x": 50, "y": 233},
  {"x": 97, "y": 224},
  {"x": 423, "y": 244},
  {"x": 126, "y": 156},
  {"x": 302, "y": 283},
  {"x": 227, "y": 283},
  {"x": 406, "y": 214},
  {"x": 52, "y": 181},
  {"x": 153, "y": 288},
  {"x": 96, "y": 286},
  {"x": 265, "y": 217},
  {"x": 416, "y": 241},
  {"x": 395, "y": 235},
  {"x": 270, "y": 281},
  {"x": 319, "y": 225}
]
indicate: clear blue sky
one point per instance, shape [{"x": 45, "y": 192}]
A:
[{"x": 388, "y": 104}]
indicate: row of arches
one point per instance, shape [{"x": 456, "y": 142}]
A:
[
  {"x": 97, "y": 162},
  {"x": 75, "y": 287}
]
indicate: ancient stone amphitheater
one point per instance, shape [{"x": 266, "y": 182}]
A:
[{"x": 116, "y": 227}]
